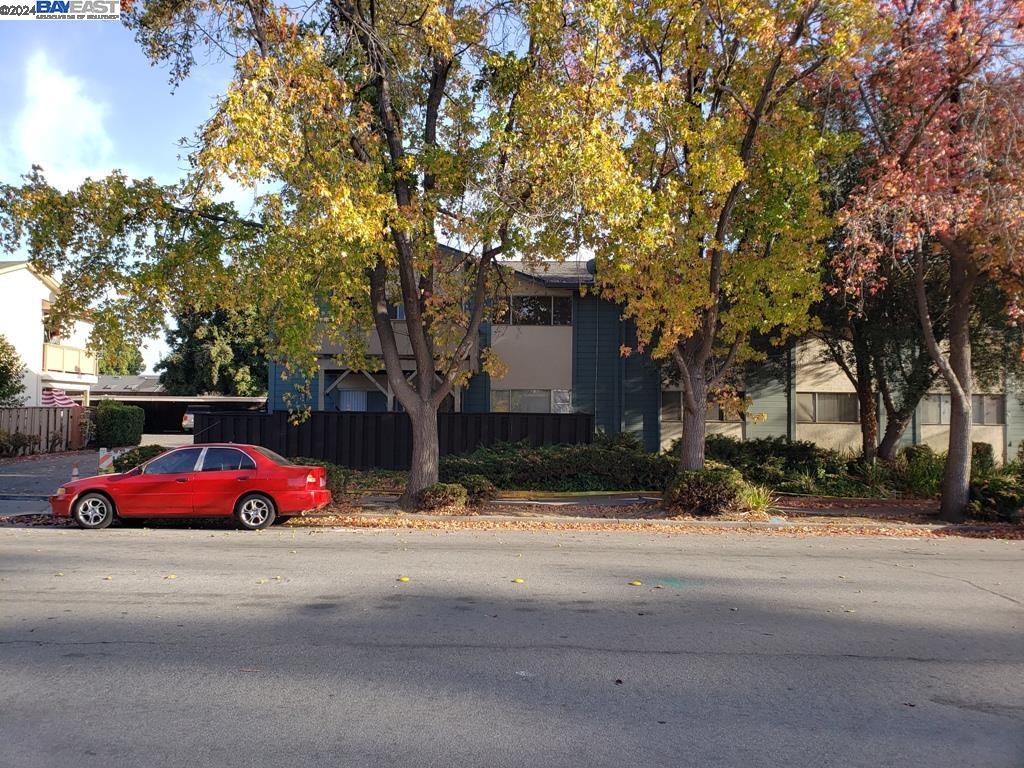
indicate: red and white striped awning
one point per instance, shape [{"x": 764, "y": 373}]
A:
[{"x": 57, "y": 398}]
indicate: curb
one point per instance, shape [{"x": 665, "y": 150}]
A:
[{"x": 632, "y": 521}]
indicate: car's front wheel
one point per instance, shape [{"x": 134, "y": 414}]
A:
[
  {"x": 255, "y": 512},
  {"x": 93, "y": 511}
]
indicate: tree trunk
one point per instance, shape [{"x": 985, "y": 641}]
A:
[
  {"x": 868, "y": 420},
  {"x": 865, "y": 397},
  {"x": 425, "y": 454},
  {"x": 691, "y": 448},
  {"x": 956, "y": 370},
  {"x": 956, "y": 477},
  {"x": 895, "y": 426}
]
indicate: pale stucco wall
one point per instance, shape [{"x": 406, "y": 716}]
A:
[
  {"x": 21, "y": 322},
  {"x": 815, "y": 375},
  {"x": 673, "y": 430},
  {"x": 536, "y": 356},
  {"x": 837, "y": 436},
  {"x": 937, "y": 437}
]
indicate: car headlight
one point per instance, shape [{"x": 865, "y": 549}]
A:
[{"x": 62, "y": 491}]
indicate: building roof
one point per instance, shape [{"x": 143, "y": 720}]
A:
[
  {"x": 551, "y": 274},
  {"x": 145, "y": 384},
  {"x": 555, "y": 274},
  {"x": 11, "y": 266},
  {"x": 147, "y": 387}
]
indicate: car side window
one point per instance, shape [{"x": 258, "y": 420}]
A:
[
  {"x": 221, "y": 459},
  {"x": 174, "y": 462}
]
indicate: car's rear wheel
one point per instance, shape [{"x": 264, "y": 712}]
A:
[
  {"x": 255, "y": 511},
  {"x": 93, "y": 511}
]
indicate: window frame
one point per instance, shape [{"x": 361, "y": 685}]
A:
[
  {"x": 816, "y": 408},
  {"x": 206, "y": 452},
  {"x": 508, "y": 398},
  {"x": 984, "y": 401},
  {"x": 720, "y": 416},
  {"x": 506, "y": 312},
  {"x": 199, "y": 456}
]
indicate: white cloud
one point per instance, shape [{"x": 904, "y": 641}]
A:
[{"x": 59, "y": 127}]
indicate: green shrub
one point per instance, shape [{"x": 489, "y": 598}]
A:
[
  {"x": 705, "y": 491},
  {"x": 338, "y": 477},
  {"x": 131, "y": 459},
  {"x": 919, "y": 470},
  {"x": 983, "y": 461},
  {"x": 442, "y": 496},
  {"x": 998, "y": 499},
  {"x": 478, "y": 489},
  {"x": 770, "y": 459},
  {"x": 608, "y": 464},
  {"x": 118, "y": 425},
  {"x": 16, "y": 443},
  {"x": 757, "y": 498}
]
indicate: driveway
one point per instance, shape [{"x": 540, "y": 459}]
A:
[
  {"x": 40, "y": 475},
  {"x": 298, "y": 648}
]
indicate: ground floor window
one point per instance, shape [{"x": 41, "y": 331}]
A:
[
  {"x": 985, "y": 409},
  {"x": 672, "y": 408},
  {"x": 827, "y": 408},
  {"x": 531, "y": 400}
]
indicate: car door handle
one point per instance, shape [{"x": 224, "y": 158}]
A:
[
  {"x": 240, "y": 479},
  {"x": 181, "y": 480}
]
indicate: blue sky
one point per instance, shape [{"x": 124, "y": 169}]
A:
[{"x": 81, "y": 99}]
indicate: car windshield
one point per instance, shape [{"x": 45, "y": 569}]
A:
[{"x": 274, "y": 457}]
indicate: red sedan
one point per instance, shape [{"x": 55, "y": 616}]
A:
[{"x": 249, "y": 482}]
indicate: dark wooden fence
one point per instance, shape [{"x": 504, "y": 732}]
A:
[{"x": 384, "y": 440}]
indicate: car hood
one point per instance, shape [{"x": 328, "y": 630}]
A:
[{"x": 90, "y": 482}]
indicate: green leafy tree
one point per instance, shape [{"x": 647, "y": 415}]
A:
[
  {"x": 126, "y": 361},
  {"x": 12, "y": 371},
  {"x": 716, "y": 237},
  {"x": 374, "y": 132},
  {"x": 215, "y": 352}
]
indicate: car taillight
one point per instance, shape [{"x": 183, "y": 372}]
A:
[{"x": 311, "y": 478}]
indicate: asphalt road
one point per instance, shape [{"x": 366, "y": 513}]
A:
[{"x": 300, "y": 648}]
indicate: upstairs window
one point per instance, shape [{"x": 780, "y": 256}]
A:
[{"x": 535, "y": 310}]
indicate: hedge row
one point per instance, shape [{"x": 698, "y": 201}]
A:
[
  {"x": 608, "y": 464},
  {"x": 118, "y": 425}
]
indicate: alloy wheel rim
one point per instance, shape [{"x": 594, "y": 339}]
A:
[
  {"x": 92, "y": 511},
  {"x": 255, "y": 512}
]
